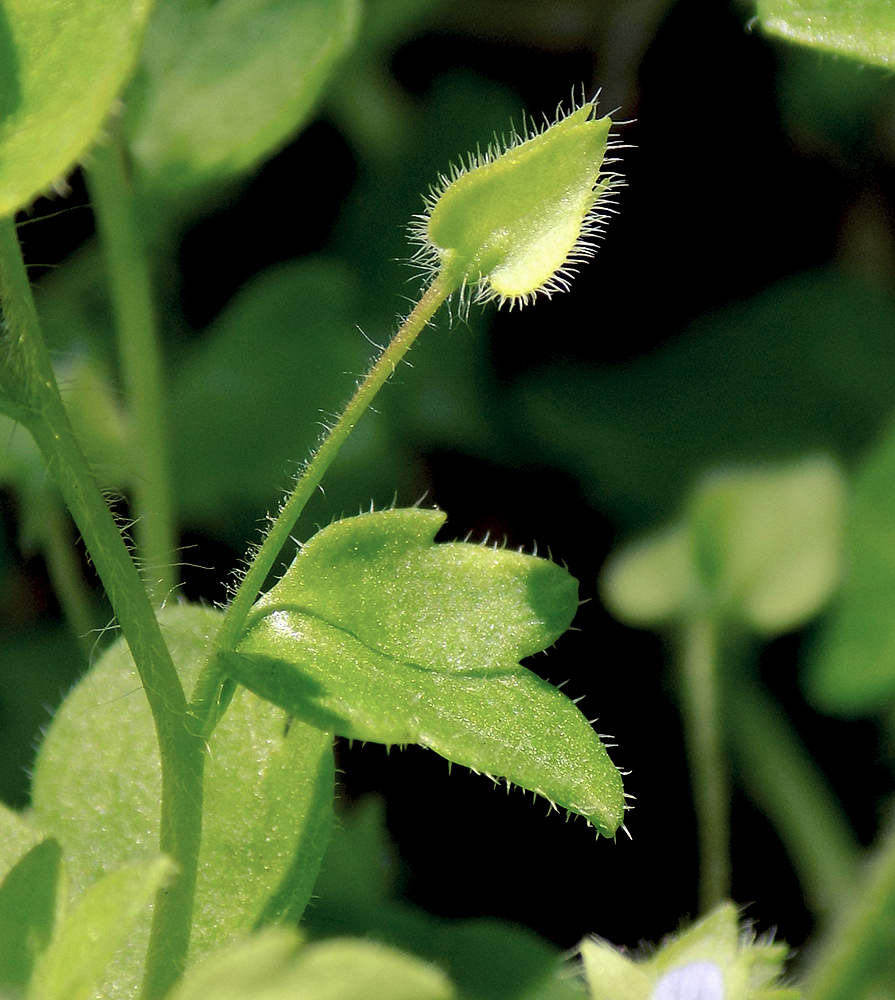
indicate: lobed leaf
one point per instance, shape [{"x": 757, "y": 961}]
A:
[
  {"x": 376, "y": 633},
  {"x": 62, "y": 63}
]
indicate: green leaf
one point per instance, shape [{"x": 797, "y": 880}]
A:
[
  {"x": 62, "y": 62},
  {"x": 852, "y": 667},
  {"x": 223, "y": 85},
  {"x": 73, "y": 966},
  {"x": 243, "y": 415},
  {"x": 28, "y": 902},
  {"x": 863, "y": 29},
  {"x": 762, "y": 544},
  {"x": 268, "y": 790},
  {"x": 270, "y": 966},
  {"x": 376, "y": 633},
  {"x": 17, "y": 837}
]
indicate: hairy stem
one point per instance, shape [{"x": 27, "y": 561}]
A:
[
  {"x": 28, "y": 392},
  {"x": 205, "y": 697},
  {"x": 698, "y": 678},
  {"x": 140, "y": 361}
]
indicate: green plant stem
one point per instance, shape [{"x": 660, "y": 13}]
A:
[
  {"x": 28, "y": 391},
  {"x": 698, "y": 678},
  {"x": 204, "y": 702},
  {"x": 859, "y": 945},
  {"x": 140, "y": 361},
  {"x": 792, "y": 792}
]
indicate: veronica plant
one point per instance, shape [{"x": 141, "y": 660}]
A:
[{"x": 213, "y": 795}]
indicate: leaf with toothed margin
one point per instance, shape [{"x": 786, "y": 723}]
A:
[{"x": 376, "y": 633}]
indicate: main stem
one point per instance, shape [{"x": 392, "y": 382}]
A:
[
  {"x": 28, "y": 392},
  {"x": 708, "y": 771},
  {"x": 307, "y": 483},
  {"x": 140, "y": 360}
]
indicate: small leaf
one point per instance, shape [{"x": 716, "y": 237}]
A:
[
  {"x": 761, "y": 544},
  {"x": 863, "y": 29},
  {"x": 271, "y": 966},
  {"x": 28, "y": 902},
  {"x": 74, "y": 964},
  {"x": 224, "y": 85},
  {"x": 62, "y": 63},
  {"x": 516, "y": 220},
  {"x": 376, "y": 633}
]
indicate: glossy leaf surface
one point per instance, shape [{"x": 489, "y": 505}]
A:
[
  {"x": 376, "y": 633},
  {"x": 62, "y": 63},
  {"x": 268, "y": 793}
]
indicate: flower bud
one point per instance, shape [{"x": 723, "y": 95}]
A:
[{"x": 515, "y": 220}]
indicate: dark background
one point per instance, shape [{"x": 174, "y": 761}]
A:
[{"x": 739, "y": 308}]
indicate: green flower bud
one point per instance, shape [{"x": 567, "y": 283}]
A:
[
  {"x": 515, "y": 220},
  {"x": 712, "y": 960}
]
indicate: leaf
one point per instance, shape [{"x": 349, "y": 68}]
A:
[
  {"x": 376, "y": 633},
  {"x": 863, "y": 29},
  {"x": 73, "y": 966},
  {"x": 762, "y": 544},
  {"x": 269, "y": 966},
  {"x": 17, "y": 837},
  {"x": 224, "y": 85},
  {"x": 28, "y": 902},
  {"x": 244, "y": 415},
  {"x": 268, "y": 793},
  {"x": 852, "y": 667},
  {"x": 62, "y": 62}
]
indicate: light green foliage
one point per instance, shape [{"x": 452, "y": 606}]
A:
[
  {"x": 268, "y": 793},
  {"x": 853, "y": 669},
  {"x": 514, "y": 222},
  {"x": 223, "y": 85},
  {"x": 17, "y": 837},
  {"x": 62, "y": 62},
  {"x": 29, "y": 898},
  {"x": 762, "y": 545},
  {"x": 272, "y": 966},
  {"x": 712, "y": 960},
  {"x": 375, "y": 633},
  {"x": 74, "y": 964},
  {"x": 863, "y": 29}
]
